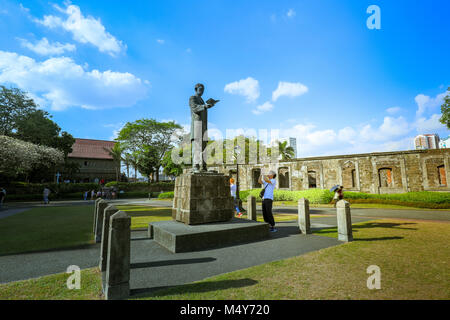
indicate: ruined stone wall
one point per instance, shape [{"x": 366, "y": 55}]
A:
[{"x": 383, "y": 172}]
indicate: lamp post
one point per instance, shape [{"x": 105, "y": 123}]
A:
[{"x": 237, "y": 151}]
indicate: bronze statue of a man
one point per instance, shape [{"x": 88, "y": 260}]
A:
[{"x": 199, "y": 127}]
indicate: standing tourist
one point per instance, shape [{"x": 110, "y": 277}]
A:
[
  {"x": 233, "y": 189},
  {"x": 269, "y": 187},
  {"x": 2, "y": 196},
  {"x": 46, "y": 194},
  {"x": 92, "y": 194}
]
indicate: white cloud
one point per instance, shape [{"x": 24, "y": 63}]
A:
[
  {"x": 248, "y": 88},
  {"x": 160, "y": 41},
  {"x": 62, "y": 83},
  {"x": 267, "y": 106},
  {"x": 425, "y": 103},
  {"x": 389, "y": 129},
  {"x": 393, "y": 110},
  {"x": 84, "y": 29},
  {"x": 424, "y": 125},
  {"x": 291, "y": 13},
  {"x": 44, "y": 48},
  {"x": 289, "y": 89}
]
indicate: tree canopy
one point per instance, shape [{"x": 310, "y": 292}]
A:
[
  {"x": 445, "y": 109},
  {"x": 147, "y": 140}
]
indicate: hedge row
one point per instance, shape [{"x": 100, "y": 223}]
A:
[
  {"x": 424, "y": 196},
  {"x": 315, "y": 196},
  {"x": 166, "y": 195},
  {"x": 23, "y": 188},
  {"x": 142, "y": 186},
  {"x": 74, "y": 196},
  {"x": 425, "y": 199}
]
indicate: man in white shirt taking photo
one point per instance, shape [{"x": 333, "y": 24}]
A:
[{"x": 269, "y": 183}]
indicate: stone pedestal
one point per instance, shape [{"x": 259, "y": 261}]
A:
[
  {"x": 178, "y": 237},
  {"x": 251, "y": 208},
  {"x": 304, "y": 223},
  {"x": 202, "y": 198},
  {"x": 344, "y": 221}
]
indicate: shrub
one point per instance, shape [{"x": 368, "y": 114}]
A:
[
  {"x": 142, "y": 186},
  {"x": 315, "y": 196},
  {"x": 166, "y": 195}
]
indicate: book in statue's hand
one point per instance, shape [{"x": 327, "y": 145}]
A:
[{"x": 212, "y": 102}]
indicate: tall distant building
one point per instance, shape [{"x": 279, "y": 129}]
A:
[
  {"x": 291, "y": 142},
  {"x": 426, "y": 141},
  {"x": 444, "y": 143}
]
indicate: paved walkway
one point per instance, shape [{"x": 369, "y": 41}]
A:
[{"x": 153, "y": 266}]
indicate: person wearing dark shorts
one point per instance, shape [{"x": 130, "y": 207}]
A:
[{"x": 269, "y": 186}]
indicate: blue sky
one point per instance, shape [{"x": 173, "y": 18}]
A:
[{"x": 311, "y": 69}]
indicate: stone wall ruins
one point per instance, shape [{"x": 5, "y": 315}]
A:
[{"x": 382, "y": 172}]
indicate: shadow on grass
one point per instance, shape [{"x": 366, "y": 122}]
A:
[
  {"x": 191, "y": 288},
  {"x": 169, "y": 262},
  {"x": 368, "y": 225}
]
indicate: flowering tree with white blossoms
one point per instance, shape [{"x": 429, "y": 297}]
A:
[{"x": 18, "y": 157}]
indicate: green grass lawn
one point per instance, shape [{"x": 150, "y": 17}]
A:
[
  {"x": 141, "y": 216},
  {"x": 412, "y": 256},
  {"x": 46, "y": 228},
  {"x": 51, "y": 228}
]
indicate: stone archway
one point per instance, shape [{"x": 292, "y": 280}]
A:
[
  {"x": 312, "y": 179},
  {"x": 386, "y": 178},
  {"x": 283, "y": 178},
  {"x": 442, "y": 175}
]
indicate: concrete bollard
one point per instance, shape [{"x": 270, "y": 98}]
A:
[
  {"x": 107, "y": 213},
  {"x": 118, "y": 260},
  {"x": 150, "y": 231},
  {"x": 102, "y": 204},
  {"x": 304, "y": 222},
  {"x": 95, "y": 213},
  {"x": 344, "y": 221},
  {"x": 251, "y": 208}
]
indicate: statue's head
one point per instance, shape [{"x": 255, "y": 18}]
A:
[{"x": 199, "y": 88}]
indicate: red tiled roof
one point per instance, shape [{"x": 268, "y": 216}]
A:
[{"x": 91, "y": 149}]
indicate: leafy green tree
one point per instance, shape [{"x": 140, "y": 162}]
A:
[
  {"x": 20, "y": 158},
  {"x": 286, "y": 152},
  {"x": 148, "y": 161},
  {"x": 37, "y": 127},
  {"x": 445, "y": 109},
  {"x": 148, "y": 138},
  {"x": 14, "y": 105},
  {"x": 116, "y": 153},
  {"x": 171, "y": 168}
]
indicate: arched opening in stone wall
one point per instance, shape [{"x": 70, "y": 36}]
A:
[
  {"x": 349, "y": 175},
  {"x": 353, "y": 178},
  {"x": 442, "y": 176},
  {"x": 283, "y": 177},
  {"x": 255, "y": 177},
  {"x": 312, "y": 180},
  {"x": 385, "y": 176}
]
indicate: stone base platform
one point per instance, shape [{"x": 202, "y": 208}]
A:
[{"x": 178, "y": 237}]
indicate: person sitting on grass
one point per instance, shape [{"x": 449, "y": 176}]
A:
[{"x": 233, "y": 189}]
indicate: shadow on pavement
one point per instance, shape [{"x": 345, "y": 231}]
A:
[
  {"x": 169, "y": 262},
  {"x": 192, "y": 288}
]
